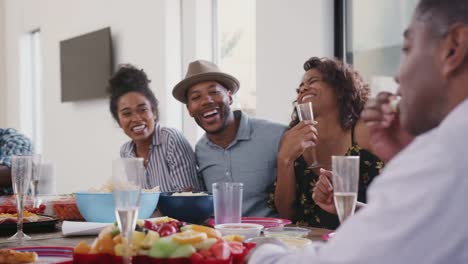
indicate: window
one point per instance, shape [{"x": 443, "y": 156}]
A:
[
  {"x": 373, "y": 36},
  {"x": 235, "y": 48},
  {"x": 31, "y": 91}
]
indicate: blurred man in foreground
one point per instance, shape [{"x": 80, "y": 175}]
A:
[{"x": 415, "y": 212}]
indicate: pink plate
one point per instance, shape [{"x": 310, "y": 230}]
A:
[
  {"x": 62, "y": 255},
  {"x": 327, "y": 236},
  {"x": 264, "y": 221}
]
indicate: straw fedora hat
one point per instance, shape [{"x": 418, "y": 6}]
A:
[{"x": 200, "y": 71}]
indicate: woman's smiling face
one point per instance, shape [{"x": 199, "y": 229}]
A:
[
  {"x": 136, "y": 116},
  {"x": 313, "y": 89}
]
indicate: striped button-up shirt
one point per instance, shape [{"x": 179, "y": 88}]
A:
[{"x": 171, "y": 161}]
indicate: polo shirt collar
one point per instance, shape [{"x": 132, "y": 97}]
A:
[{"x": 243, "y": 131}]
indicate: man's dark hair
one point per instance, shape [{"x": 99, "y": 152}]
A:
[{"x": 130, "y": 79}]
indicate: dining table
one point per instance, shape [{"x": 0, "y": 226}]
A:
[{"x": 56, "y": 238}]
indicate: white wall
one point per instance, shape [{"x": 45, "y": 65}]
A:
[
  {"x": 81, "y": 138},
  {"x": 3, "y": 107},
  {"x": 288, "y": 33}
]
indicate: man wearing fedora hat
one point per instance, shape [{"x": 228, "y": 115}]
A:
[{"x": 235, "y": 148}]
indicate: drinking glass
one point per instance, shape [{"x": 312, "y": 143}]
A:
[
  {"x": 304, "y": 112},
  {"x": 35, "y": 177},
  {"x": 227, "y": 198},
  {"x": 127, "y": 176},
  {"x": 21, "y": 168},
  {"x": 345, "y": 184}
]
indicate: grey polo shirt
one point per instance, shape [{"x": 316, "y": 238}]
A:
[{"x": 250, "y": 159}]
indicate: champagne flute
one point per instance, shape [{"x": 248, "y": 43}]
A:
[
  {"x": 127, "y": 175},
  {"x": 21, "y": 168},
  {"x": 304, "y": 112},
  {"x": 35, "y": 176},
  {"x": 345, "y": 184}
]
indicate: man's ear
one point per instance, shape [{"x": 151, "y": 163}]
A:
[
  {"x": 229, "y": 94},
  {"x": 455, "y": 49}
]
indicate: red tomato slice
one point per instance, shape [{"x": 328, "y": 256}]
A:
[
  {"x": 206, "y": 253},
  {"x": 236, "y": 247},
  {"x": 221, "y": 251}
]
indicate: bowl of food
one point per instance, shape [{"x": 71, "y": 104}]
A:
[
  {"x": 286, "y": 231},
  {"x": 191, "y": 207},
  {"x": 244, "y": 229},
  {"x": 290, "y": 242},
  {"x": 99, "y": 206}
]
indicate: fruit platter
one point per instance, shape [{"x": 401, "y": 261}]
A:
[{"x": 165, "y": 240}]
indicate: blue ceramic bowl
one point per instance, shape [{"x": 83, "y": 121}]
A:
[
  {"x": 191, "y": 209},
  {"x": 99, "y": 207}
]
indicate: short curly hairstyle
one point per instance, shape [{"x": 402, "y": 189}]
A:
[
  {"x": 351, "y": 90},
  {"x": 129, "y": 79}
]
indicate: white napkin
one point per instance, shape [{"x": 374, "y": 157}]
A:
[{"x": 70, "y": 228}]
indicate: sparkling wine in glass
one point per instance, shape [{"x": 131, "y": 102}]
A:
[
  {"x": 21, "y": 169},
  {"x": 35, "y": 177},
  {"x": 127, "y": 175},
  {"x": 304, "y": 112},
  {"x": 345, "y": 184}
]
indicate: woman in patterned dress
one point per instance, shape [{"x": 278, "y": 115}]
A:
[{"x": 338, "y": 95}]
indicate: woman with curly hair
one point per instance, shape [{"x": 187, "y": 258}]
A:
[
  {"x": 338, "y": 95},
  {"x": 168, "y": 157}
]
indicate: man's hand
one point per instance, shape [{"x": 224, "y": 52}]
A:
[
  {"x": 296, "y": 140},
  {"x": 323, "y": 192},
  {"x": 387, "y": 137}
]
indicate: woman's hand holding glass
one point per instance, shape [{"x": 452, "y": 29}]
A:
[
  {"x": 296, "y": 140},
  {"x": 323, "y": 192}
]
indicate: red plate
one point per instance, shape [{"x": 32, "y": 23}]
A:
[
  {"x": 62, "y": 255},
  {"x": 264, "y": 221}
]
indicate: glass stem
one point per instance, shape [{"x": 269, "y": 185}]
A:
[
  {"x": 127, "y": 247},
  {"x": 19, "y": 209}
]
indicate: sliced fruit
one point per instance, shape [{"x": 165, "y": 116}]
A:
[
  {"x": 205, "y": 244},
  {"x": 137, "y": 238},
  {"x": 163, "y": 247},
  {"x": 189, "y": 237},
  {"x": 234, "y": 238},
  {"x": 118, "y": 249},
  {"x": 210, "y": 232},
  {"x": 117, "y": 239},
  {"x": 150, "y": 239},
  {"x": 183, "y": 251},
  {"x": 221, "y": 250},
  {"x": 106, "y": 244},
  {"x": 163, "y": 219},
  {"x": 82, "y": 248},
  {"x": 236, "y": 247}
]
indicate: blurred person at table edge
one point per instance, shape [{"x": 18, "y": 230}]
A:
[
  {"x": 11, "y": 143},
  {"x": 338, "y": 94},
  {"x": 415, "y": 211},
  {"x": 235, "y": 147},
  {"x": 168, "y": 157}
]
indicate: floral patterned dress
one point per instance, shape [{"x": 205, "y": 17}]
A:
[{"x": 310, "y": 214}]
